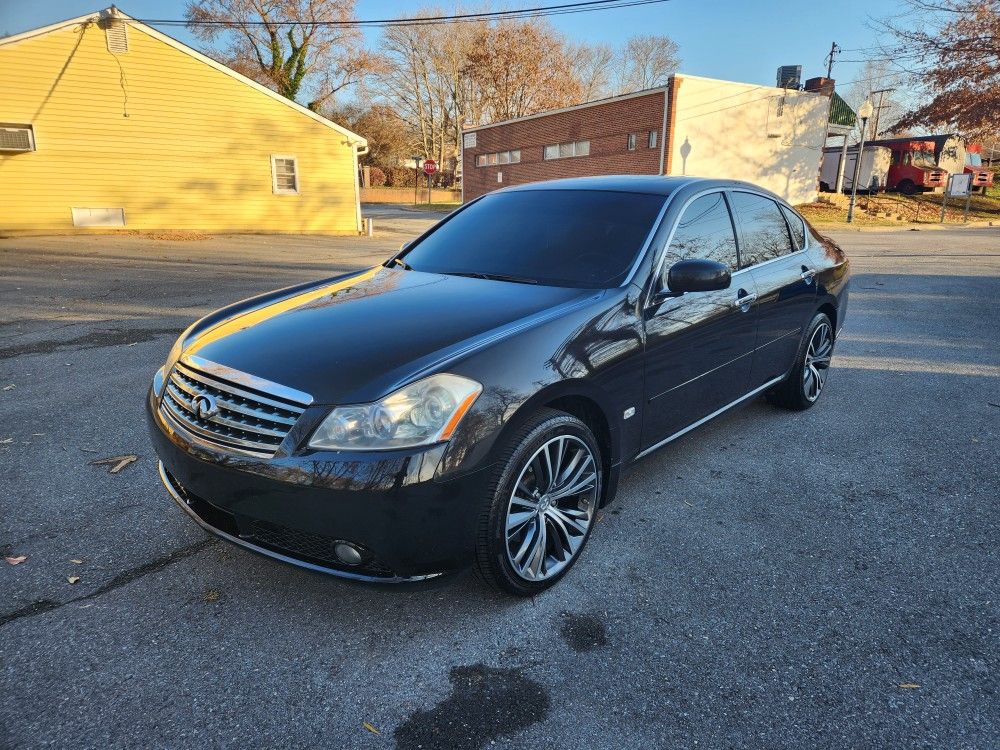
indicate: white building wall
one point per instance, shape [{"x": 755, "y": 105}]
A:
[{"x": 768, "y": 136}]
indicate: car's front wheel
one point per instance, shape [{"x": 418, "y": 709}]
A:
[
  {"x": 542, "y": 506},
  {"x": 804, "y": 384}
]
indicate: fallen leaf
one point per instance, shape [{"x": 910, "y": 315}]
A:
[
  {"x": 6, "y": 441},
  {"x": 77, "y": 562},
  {"x": 73, "y": 579},
  {"x": 120, "y": 462},
  {"x": 909, "y": 685},
  {"x": 16, "y": 560},
  {"x": 210, "y": 596},
  {"x": 9, "y": 387},
  {"x": 370, "y": 728}
]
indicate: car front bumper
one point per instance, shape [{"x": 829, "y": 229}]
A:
[{"x": 407, "y": 524}]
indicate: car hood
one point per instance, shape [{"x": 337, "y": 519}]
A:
[{"x": 355, "y": 339}]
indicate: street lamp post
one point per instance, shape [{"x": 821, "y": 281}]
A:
[{"x": 864, "y": 112}]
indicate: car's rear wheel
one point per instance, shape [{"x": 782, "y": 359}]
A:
[
  {"x": 907, "y": 187},
  {"x": 804, "y": 384},
  {"x": 543, "y": 504}
]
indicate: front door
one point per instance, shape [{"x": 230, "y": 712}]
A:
[
  {"x": 699, "y": 345},
  {"x": 772, "y": 248}
]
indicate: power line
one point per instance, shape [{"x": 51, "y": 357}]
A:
[{"x": 587, "y": 6}]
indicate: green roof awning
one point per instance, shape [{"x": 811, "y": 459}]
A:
[{"x": 840, "y": 113}]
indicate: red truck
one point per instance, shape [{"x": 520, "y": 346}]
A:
[
  {"x": 981, "y": 176},
  {"x": 913, "y": 168}
]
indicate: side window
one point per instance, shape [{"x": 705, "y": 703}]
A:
[
  {"x": 705, "y": 230},
  {"x": 765, "y": 234},
  {"x": 797, "y": 228}
]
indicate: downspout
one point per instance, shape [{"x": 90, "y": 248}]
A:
[
  {"x": 357, "y": 186},
  {"x": 663, "y": 130}
]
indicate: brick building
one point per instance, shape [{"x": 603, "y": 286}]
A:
[{"x": 696, "y": 126}]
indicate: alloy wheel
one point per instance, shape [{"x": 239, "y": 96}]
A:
[
  {"x": 817, "y": 362},
  {"x": 551, "y": 508}
]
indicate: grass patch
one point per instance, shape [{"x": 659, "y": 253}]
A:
[{"x": 894, "y": 209}]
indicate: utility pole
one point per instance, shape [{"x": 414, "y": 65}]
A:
[
  {"x": 878, "y": 110},
  {"x": 834, "y": 49}
]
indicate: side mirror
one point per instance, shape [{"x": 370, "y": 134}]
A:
[{"x": 698, "y": 275}]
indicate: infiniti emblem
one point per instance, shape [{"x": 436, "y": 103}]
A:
[{"x": 205, "y": 406}]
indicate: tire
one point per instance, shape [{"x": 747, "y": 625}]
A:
[
  {"x": 907, "y": 187},
  {"x": 508, "y": 554},
  {"x": 824, "y": 188},
  {"x": 805, "y": 383}
]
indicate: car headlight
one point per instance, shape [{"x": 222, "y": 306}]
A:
[{"x": 421, "y": 413}]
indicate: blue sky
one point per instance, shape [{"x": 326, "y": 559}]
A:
[{"x": 730, "y": 39}]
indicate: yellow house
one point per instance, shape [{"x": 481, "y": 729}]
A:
[{"x": 106, "y": 122}]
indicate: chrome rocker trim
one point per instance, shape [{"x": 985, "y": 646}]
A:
[
  {"x": 179, "y": 499},
  {"x": 711, "y": 416}
]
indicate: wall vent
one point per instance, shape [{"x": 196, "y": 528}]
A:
[
  {"x": 16, "y": 138},
  {"x": 116, "y": 32},
  {"x": 98, "y": 217}
]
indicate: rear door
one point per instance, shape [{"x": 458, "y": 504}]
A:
[
  {"x": 772, "y": 249},
  {"x": 699, "y": 345}
]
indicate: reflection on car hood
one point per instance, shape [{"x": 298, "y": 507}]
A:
[{"x": 357, "y": 338}]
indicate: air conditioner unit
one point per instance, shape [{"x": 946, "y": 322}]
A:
[{"x": 16, "y": 139}]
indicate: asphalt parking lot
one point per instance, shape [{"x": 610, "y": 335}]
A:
[{"x": 825, "y": 579}]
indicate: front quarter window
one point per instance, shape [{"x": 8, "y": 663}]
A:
[{"x": 705, "y": 231}]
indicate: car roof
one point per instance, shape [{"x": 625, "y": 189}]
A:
[{"x": 649, "y": 184}]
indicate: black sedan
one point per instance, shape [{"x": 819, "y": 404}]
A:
[{"x": 474, "y": 399}]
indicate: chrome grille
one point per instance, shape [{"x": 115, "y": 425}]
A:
[{"x": 246, "y": 421}]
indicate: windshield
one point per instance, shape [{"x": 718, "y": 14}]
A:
[
  {"x": 923, "y": 159},
  {"x": 973, "y": 160},
  {"x": 571, "y": 238}
]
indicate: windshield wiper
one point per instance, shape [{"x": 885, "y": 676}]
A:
[
  {"x": 400, "y": 262},
  {"x": 493, "y": 277}
]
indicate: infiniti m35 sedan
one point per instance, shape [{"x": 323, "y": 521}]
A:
[{"x": 474, "y": 399}]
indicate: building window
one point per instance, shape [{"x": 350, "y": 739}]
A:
[
  {"x": 567, "y": 150},
  {"x": 652, "y": 138},
  {"x": 284, "y": 175},
  {"x": 631, "y": 141},
  {"x": 501, "y": 157}
]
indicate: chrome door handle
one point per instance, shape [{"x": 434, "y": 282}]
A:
[
  {"x": 807, "y": 274},
  {"x": 745, "y": 301}
]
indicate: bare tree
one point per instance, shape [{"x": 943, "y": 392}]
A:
[
  {"x": 593, "y": 64},
  {"x": 305, "y": 60},
  {"x": 876, "y": 75},
  {"x": 645, "y": 62}
]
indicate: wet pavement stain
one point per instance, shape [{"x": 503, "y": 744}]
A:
[
  {"x": 583, "y": 632},
  {"x": 485, "y": 703},
  {"x": 93, "y": 340}
]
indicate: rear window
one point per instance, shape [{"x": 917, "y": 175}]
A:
[
  {"x": 763, "y": 228},
  {"x": 573, "y": 238}
]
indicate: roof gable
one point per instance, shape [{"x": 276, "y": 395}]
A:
[{"x": 170, "y": 41}]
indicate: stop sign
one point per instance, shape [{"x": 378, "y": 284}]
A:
[{"x": 430, "y": 166}]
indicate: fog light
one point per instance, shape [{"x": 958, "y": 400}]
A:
[{"x": 347, "y": 553}]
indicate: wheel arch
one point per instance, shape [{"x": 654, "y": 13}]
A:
[{"x": 587, "y": 403}]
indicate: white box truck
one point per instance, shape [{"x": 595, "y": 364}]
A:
[{"x": 874, "y": 172}]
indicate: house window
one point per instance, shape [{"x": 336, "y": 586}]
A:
[
  {"x": 652, "y": 138},
  {"x": 284, "y": 175},
  {"x": 567, "y": 150},
  {"x": 501, "y": 157},
  {"x": 631, "y": 141}
]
